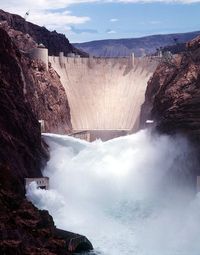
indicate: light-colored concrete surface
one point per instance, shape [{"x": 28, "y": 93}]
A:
[
  {"x": 104, "y": 135},
  {"x": 198, "y": 183},
  {"x": 42, "y": 182},
  {"x": 41, "y": 54},
  {"x": 104, "y": 94}
]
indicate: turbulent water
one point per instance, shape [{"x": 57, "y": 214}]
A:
[{"x": 129, "y": 196}]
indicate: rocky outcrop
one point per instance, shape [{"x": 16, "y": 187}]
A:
[
  {"x": 24, "y": 229},
  {"x": 21, "y": 152},
  {"x": 20, "y": 139},
  {"x": 46, "y": 96},
  {"x": 24, "y": 42},
  {"x": 173, "y": 93},
  {"x": 54, "y": 41},
  {"x": 42, "y": 87}
]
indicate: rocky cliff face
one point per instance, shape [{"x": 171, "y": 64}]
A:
[
  {"x": 47, "y": 97},
  {"x": 25, "y": 230},
  {"x": 21, "y": 152},
  {"x": 173, "y": 93},
  {"x": 42, "y": 88},
  {"x": 54, "y": 41},
  {"x": 19, "y": 129}
]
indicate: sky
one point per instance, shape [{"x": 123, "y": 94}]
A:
[{"x": 87, "y": 20}]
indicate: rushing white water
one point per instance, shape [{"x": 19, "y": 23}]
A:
[{"x": 129, "y": 196}]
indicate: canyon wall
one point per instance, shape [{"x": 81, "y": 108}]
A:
[
  {"x": 20, "y": 136},
  {"x": 173, "y": 94},
  {"x": 42, "y": 86},
  {"x": 21, "y": 152},
  {"x": 54, "y": 41},
  {"x": 25, "y": 230},
  {"x": 47, "y": 96}
]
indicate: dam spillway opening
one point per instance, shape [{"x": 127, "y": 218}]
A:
[{"x": 105, "y": 94}]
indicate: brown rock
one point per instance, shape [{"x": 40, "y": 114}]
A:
[
  {"x": 54, "y": 41},
  {"x": 20, "y": 139},
  {"x": 173, "y": 94},
  {"x": 24, "y": 229},
  {"x": 42, "y": 89},
  {"x": 47, "y": 96}
]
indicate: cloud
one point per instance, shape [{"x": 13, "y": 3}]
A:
[
  {"x": 110, "y": 31},
  {"x": 49, "y": 13},
  {"x": 56, "y": 20},
  {"x": 53, "y": 15},
  {"x": 22, "y": 6},
  {"x": 84, "y": 30},
  {"x": 113, "y": 20},
  {"x": 156, "y": 1},
  {"x": 40, "y": 4}
]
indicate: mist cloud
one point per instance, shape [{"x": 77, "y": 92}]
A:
[{"x": 130, "y": 195}]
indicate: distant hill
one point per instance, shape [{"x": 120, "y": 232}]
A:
[
  {"x": 140, "y": 46},
  {"x": 54, "y": 41}
]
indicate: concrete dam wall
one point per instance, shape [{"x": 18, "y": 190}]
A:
[{"x": 104, "y": 94}]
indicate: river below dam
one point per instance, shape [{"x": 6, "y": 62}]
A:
[{"x": 129, "y": 196}]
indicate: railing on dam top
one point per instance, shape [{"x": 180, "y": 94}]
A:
[
  {"x": 40, "y": 52},
  {"x": 130, "y": 60}
]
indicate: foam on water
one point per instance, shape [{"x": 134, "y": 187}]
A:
[{"x": 124, "y": 194}]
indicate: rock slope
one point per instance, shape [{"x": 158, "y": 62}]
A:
[
  {"x": 47, "y": 97},
  {"x": 24, "y": 230},
  {"x": 173, "y": 93},
  {"x": 19, "y": 129},
  {"x": 42, "y": 87},
  {"x": 54, "y": 41}
]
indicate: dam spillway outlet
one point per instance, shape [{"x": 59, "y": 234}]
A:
[
  {"x": 104, "y": 94},
  {"x": 42, "y": 182},
  {"x": 104, "y": 135}
]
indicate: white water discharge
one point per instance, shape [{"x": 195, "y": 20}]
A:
[{"x": 123, "y": 194}]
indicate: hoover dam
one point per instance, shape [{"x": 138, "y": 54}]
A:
[{"x": 105, "y": 94}]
